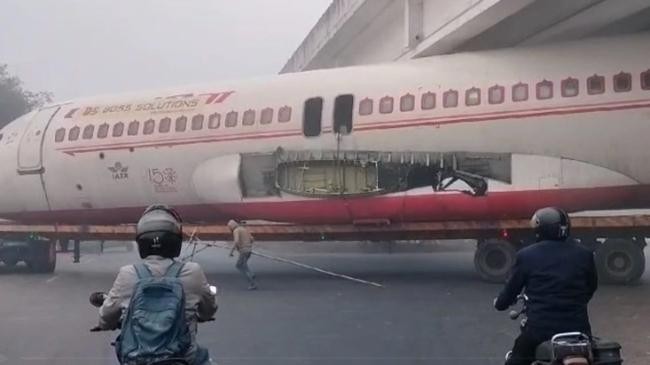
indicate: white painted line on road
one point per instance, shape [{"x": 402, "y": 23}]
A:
[{"x": 51, "y": 279}]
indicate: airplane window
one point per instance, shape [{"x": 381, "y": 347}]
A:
[
  {"x": 165, "y": 125},
  {"x": 231, "y": 119},
  {"x": 570, "y": 87},
  {"x": 102, "y": 131},
  {"x": 645, "y": 80},
  {"x": 365, "y": 106},
  {"x": 214, "y": 120},
  {"x": 249, "y": 117},
  {"x": 386, "y": 105},
  {"x": 149, "y": 127},
  {"x": 544, "y": 90},
  {"x": 118, "y": 129},
  {"x": 312, "y": 117},
  {"x": 496, "y": 94},
  {"x": 622, "y": 82},
  {"x": 266, "y": 116},
  {"x": 73, "y": 135},
  {"x": 59, "y": 136},
  {"x": 596, "y": 85},
  {"x": 284, "y": 114},
  {"x": 407, "y": 103},
  {"x": 428, "y": 101},
  {"x": 343, "y": 110},
  {"x": 181, "y": 124},
  {"x": 520, "y": 92},
  {"x": 450, "y": 99},
  {"x": 134, "y": 127},
  {"x": 89, "y": 130},
  {"x": 197, "y": 122},
  {"x": 473, "y": 96}
]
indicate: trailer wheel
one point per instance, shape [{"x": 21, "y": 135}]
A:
[
  {"x": 43, "y": 257},
  {"x": 10, "y": 261},
  {"x": 620, "y": 261},
  {"x": 10, "y": 256},
  {"x": 494, "y": 258}
]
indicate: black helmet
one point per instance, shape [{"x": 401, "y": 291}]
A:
[
  {"x": 159, "y": 232},
  {"x": 551, "y": 224}
]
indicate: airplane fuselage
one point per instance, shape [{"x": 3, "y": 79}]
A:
[{"x": 561, "y": 125}]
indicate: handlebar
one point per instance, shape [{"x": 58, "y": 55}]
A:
[
  {"x": 119, "y": 326},
  {"x": 514, "y": 314},
  {"x": 522, "y": 297},
  {"x": 96, "y": 299}
]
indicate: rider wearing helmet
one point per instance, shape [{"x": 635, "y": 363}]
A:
[
  {"x": 159, "y": 237},
  {"x": 558, "y": 276}
]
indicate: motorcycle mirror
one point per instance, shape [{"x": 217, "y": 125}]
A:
[{"x": 96, "y": 299}]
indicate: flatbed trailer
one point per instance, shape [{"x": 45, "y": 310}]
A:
[{"x": 617, "y": 240}]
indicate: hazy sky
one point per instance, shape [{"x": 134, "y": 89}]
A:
[{"x": 86, "y": 47}]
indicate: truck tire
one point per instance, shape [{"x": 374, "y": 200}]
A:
[
  {"x": 620, "y": 261},
  {"x": 494, "y": 258},
  {"x": 10, "y": 257},
  {"x": 10, "y": 262},
  {"x": 43, "y": 257}
]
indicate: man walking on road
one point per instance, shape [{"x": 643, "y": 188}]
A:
[{"x": 243, "y": 242}]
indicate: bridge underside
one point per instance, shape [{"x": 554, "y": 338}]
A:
[{"x": 355, "y": 32}]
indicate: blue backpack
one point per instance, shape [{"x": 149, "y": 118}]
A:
[{"x": 154, "y": 327}]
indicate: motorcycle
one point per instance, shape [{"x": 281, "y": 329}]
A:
[
  {"x": 97, "y": 299},
  {"x": 569, "y": 348}
]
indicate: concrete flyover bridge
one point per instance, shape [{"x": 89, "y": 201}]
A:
[{"x": 357, "y": 32}]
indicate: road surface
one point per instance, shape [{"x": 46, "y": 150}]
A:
[{"x": 432, "y": 310}]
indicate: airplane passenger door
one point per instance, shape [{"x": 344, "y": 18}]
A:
[
  {"x": 30, "y": 149},
  {"x": 343, "y": 114}
]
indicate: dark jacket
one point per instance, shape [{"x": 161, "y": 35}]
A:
[{"x": 559, "y": 279}]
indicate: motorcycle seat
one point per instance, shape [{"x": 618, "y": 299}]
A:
[
  {"x": 564, "y": 345},
  {"x": 544, "y": 351}
]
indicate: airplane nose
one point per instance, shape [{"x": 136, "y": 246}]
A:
[
  {"x": 17, "y": 190},
  {"x": 5, "y": 163}
]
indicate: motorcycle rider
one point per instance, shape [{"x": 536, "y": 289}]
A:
[
  {"x": 159, "y": 237},
  {"x": 558, "y": 276}
]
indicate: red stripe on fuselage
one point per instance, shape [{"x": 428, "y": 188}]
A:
[
  {"x": 406, "y": 123},
  {"x": 404, "y": 208},
  {"x": 531, "y": 110},
  {"x": 509, "y": 116}
]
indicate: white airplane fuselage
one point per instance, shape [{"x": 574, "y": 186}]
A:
[{"x": 564, "y": 125}]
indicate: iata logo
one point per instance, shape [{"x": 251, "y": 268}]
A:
[{"x": 119, "y": 172}]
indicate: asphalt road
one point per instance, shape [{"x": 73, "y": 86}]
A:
[{"x": 432, "y": 310}]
